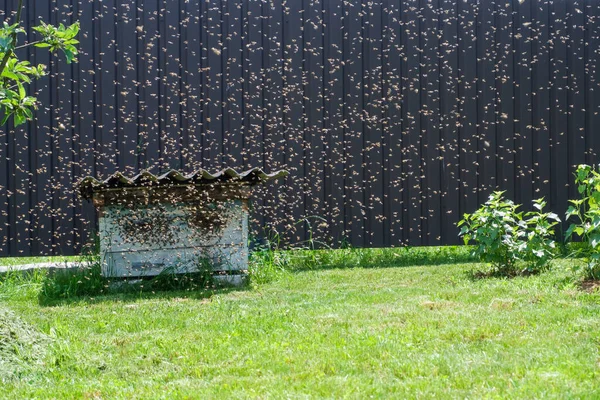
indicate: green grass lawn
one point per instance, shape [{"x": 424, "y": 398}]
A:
[{"x": 401, "y": 332}]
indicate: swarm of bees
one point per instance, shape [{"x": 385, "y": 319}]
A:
[{"x": 393, "y": 117}]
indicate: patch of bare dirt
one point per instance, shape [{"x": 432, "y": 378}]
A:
[{"x": 590, "y": 285}]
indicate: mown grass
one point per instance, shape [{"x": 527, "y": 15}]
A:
[
  {"x": 320, "y": 331},
  {"x": 21, "y": 345}
]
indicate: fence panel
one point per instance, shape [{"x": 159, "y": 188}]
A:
[{"x": 393, "y": 117}]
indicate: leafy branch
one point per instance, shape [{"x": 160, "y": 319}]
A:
[
  {"x": 15, "y": 74},
  {"x": 584, "y": 214}
]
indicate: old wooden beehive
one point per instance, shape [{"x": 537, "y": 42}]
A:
[{"x": 175, "y": 222}]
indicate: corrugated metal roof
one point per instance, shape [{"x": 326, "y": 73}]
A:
[{"x": 88, "y": 185}]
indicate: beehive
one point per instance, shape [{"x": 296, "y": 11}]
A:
[{"x": 175, "y": 222}]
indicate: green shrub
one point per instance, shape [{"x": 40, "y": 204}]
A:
[
  {"x": 513, "y": 242},
  {"x": 585, "y": 214}
]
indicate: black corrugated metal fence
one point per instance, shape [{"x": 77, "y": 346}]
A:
[{"x": 393, "y": 117}]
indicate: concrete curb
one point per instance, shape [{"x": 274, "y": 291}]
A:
[{"x": 50, "y": 266}]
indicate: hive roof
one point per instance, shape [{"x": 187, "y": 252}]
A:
[{"x": 88, "y": 185}]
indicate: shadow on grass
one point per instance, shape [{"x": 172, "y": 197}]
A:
[
  {"x": 87, "y": 285},
  {"x": 492, "y": 272},
  {"x": 132, "y": 297},
  {"x": 562, "y": 276}
]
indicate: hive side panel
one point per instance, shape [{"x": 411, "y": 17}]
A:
[{"x": 175, "y": 238}]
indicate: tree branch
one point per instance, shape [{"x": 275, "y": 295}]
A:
[{"x": 28, "y": 44}]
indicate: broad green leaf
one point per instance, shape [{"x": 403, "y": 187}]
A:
[
  {"x": 6, "y": 43},
  {"x": 553, "y": 216},
  {"x": 5, "y": 118},
  {"x": 69, "y": 55},
  {"x": 19, "y": 118},
  {"x": 22, "y": 93},
  {"x": 10, "y": 75},
  {"x": 595, "y": 240},
  {"x": 28, "y": 113}
]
